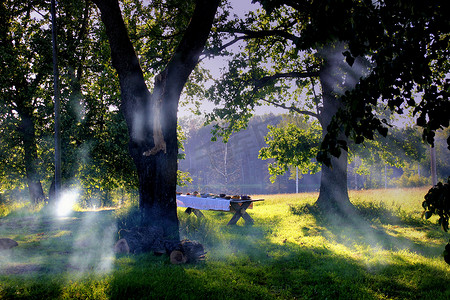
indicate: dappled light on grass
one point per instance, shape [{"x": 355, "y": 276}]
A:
[
  {"x": 290, "y": 252},
  {"x": 67, "y": 248}
]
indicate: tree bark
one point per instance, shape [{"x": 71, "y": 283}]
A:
[
  {"x": 433, "y": 165},
  {"x": 333, "y": 193},
  {"x": 20, "y": 98},
  {"x": 28, "y": 136},
  {"x": 152, "y": 117}
]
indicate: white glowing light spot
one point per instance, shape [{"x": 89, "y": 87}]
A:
[{"x": 66, "y": 202}]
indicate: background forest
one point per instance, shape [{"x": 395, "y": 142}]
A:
[
  {"x": 236, "y": 167},
  {"x": 399, "y": 160}
]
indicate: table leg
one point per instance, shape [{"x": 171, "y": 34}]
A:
[
  {"x": 196, "y": 212},
  {"x": 241, "y": 212}
]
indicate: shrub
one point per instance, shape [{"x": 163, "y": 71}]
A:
[
  {"x": 437, "y": 201},
  {"x": 128, "y": 217}
]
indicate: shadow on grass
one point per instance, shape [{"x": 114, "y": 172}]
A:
[{"x": 243, "y": 263}]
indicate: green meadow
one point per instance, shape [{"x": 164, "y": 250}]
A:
[{"x": 291, "y": 252}]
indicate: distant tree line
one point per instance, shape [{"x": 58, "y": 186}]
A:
[{"x": 399, "y": 160}]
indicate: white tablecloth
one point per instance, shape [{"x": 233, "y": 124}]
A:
[{"x": 203, "y": 203}]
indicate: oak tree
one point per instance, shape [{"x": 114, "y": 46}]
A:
[{"x": 151, "y": 116}]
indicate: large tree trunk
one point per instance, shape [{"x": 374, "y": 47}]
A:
[
  {"x": 333, "y": 194},
  {"x": 152, "y": 117}
]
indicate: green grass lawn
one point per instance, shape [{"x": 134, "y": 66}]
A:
[{"x": 291, "y": 252}]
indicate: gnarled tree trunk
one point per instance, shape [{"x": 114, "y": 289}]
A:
[{"x": 152, "y": 117}]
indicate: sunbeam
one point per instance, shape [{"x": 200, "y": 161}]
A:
[{"x": 66, "y": 202}]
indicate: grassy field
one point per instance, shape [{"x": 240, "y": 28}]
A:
[{"x": 291, "y": 252}]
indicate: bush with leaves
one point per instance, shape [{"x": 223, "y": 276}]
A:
[{"x": 437, "y": 201}]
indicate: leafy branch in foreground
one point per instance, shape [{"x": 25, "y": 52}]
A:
[{"x": 437, "y": 201}]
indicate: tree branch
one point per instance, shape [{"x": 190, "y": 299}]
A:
[
  {"x": 252, "y": 34},
  {"x": 270, "y": 5},
  {"x": 191, "y": 46},
  {"x": 315, "y": 101},
  {"x": 292, "y": 108},
  {"x": 223, "y": 47},
  {"x": 267, "y": 79}
]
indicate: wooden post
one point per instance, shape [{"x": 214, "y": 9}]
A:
[
  {"x": 56, "y": 104},
  {"x": 433, "y": 165}
]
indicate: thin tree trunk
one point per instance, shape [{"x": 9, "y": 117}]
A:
[
  {"x": 433, "y": 166},
  {"x": 30, "y": 150}
]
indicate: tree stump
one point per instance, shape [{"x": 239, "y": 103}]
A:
[
  {"x": 193, "y": 250},
  {"x": 177, "y": 257},
  {"x": 122, "y": 246}
]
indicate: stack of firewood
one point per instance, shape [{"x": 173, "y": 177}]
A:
[{"x": 150, "y": 239}]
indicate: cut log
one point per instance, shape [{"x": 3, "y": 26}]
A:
[
  {"x": 150, "y": 239},
  {"x": 177, "y": 257},
  {"x": 144, "y": 239},
  {"x": 193, "y": 250},
  {"x": 6, "y": 243},
  {"x": 122, "y": 246}
]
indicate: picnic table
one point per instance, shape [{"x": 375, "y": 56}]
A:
[{"x": 194, "y": 204}]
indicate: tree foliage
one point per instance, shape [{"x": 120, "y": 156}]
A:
[
  {"x": 94, "y": 133},
  {"x": 437, "y": 201},
  {"x": 25, "y": 61},
  {"x": 292, "y": 144},
  {"x": 406, "y": 42}
]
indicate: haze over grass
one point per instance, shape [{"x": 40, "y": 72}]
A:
[{"x": 291, "y": 252}]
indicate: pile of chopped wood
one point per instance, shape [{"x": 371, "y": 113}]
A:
[{"x": 150, "y": 239}]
